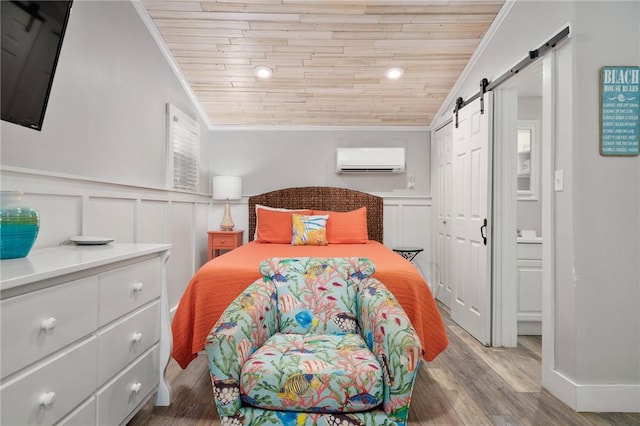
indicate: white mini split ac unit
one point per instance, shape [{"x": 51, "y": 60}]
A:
[{"x": 370, "y": 160}]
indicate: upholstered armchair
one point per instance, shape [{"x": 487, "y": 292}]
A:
[{"x": 313, "y": 342}]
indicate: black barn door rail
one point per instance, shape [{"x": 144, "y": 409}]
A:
[{"x": 485, "y": 85}]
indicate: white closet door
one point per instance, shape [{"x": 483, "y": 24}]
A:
[
  {"x": 443, "y": 265},
  {"x": 470, "y": 190}
]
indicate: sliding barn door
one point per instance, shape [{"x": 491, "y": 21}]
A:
[{"x": 470, "y": 190}]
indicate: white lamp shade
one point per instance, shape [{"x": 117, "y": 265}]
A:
[{"x": 227, "y": 187}]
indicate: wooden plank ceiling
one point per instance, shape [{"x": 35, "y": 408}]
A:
[{"x": 329, "y": 57}]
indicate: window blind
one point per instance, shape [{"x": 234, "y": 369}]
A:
[{"x": 184, "y": 150}]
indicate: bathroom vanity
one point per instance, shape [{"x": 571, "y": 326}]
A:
[{"x": 529, "y": 264}]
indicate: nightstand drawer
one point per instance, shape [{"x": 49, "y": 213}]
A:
[
  {"x": 126, "y": 340},
  {"x": 128, "y": 390},
  {"x": 224, "y": 241},
  {"x": 37, "y": 324},
  {"x": 127, "y": 288},
  {"x": 49, "y": 392}
]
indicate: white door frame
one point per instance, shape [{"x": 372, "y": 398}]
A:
[
  {"x": 505, "y": 211},
  {"x": 558, "y": 385},
  {"x": 505, "y": 199}
]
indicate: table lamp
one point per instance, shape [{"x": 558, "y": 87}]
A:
[{"x": 227, "y": 188}]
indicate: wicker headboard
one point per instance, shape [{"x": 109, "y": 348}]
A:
[{"x": 321, "y": 198}]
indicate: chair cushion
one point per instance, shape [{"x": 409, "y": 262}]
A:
[
  {"x": 313, "y": 372},
  {"x": 317, "y": 295}
]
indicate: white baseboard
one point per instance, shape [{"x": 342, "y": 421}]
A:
[
  {"x": 559, "y": 386},
  {"x": 529, "y": 327},
  {"x": 609, "y": 398}
]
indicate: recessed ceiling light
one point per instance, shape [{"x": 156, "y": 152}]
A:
[
  {"x": 263, "y": 71},
  {"x": 394, "y": 73}
]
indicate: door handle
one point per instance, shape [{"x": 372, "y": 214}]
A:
[{"x": 483, "y": 230}]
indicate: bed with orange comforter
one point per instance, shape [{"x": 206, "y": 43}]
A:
[
  {"x": 354, "y": 228},
  {"x": 222, "y": 279}
]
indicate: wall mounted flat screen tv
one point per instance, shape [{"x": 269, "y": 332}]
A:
[{"x": 32, "y": 33}]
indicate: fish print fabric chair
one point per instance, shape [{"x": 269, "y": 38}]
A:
[{"x": 314, "y": 342}]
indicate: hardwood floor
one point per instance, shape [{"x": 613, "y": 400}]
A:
[{"x": 468, "y": 384}]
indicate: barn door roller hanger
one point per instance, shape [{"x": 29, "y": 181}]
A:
[{"x": 485, "y": 86}]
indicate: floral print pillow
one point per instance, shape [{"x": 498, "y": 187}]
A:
[{"x": 309, "y": 230}]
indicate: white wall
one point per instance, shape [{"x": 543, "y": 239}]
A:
[
  {"x": 98, "y": 165},
  {"x": 606, "y": 205},
  {"x": 273, "y": 159}
]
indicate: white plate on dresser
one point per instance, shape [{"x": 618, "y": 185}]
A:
[{"x": 86, "y": 240}]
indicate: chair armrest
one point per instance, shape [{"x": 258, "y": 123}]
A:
[
  {"x": 391, "y": 337},
  {"x": 243, "y": 327}
]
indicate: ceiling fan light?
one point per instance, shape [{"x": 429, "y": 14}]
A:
[
  {"x": 394, "y": 73},
  {"x": 263, "y": 72}
]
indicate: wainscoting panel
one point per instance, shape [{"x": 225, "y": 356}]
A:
[
  {"x": 391, "y": 225},
  {"x": 183, "y": 237},
  {"x": 60, "y": 217},
  {"x": 72, "y": 205},
  {"x": 407, "y": 222},
  {"x": 110, "y": 217},
  {"x": 201, "y": 242},
  {"x": 153, "y": 221}
]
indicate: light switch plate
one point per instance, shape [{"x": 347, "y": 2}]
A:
[{"x": 558, "y": 183}]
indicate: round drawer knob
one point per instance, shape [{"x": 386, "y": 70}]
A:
[
  {"x": 221, "y": 241},
  {"x": 137, "y": 287},
  {"x": 47, "y": 399},
  {"x": 136, "y": 387},
  {"x": 48, "y": 324},
  {"x": 136, "y": 338}
]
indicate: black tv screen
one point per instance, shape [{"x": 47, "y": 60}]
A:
[{"x": 32, "y": 33}]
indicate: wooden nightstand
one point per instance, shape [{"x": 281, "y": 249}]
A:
[{"x": 223, "y": 240}]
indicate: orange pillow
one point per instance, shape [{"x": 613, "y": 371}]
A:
[
  {"x": 346, "y": 227},
  {"x": 260, "y": 206},
  {"x": 275, "y": 226}
]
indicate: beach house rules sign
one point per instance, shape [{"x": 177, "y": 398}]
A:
[{"x": 619, "y": 111}]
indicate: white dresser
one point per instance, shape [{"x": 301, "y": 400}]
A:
[
  {"x": 529, "y": 263},
  {"x": 85, "y": 334}
]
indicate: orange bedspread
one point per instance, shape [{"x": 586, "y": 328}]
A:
[{"x": 222, "y": 279}]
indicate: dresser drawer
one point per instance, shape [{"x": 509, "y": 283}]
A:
[
  {"x": 127, "y": 288},
  {"x": 123, "y": 394},
  {"x": 85, "y": 415},
  {"x": 124, "y": 341},
  {"x": 37, "y": 324},
  {"x": 48, "y": 392}
]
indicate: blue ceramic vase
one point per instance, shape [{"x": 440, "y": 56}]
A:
[{"x": 19, "y": 226}]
